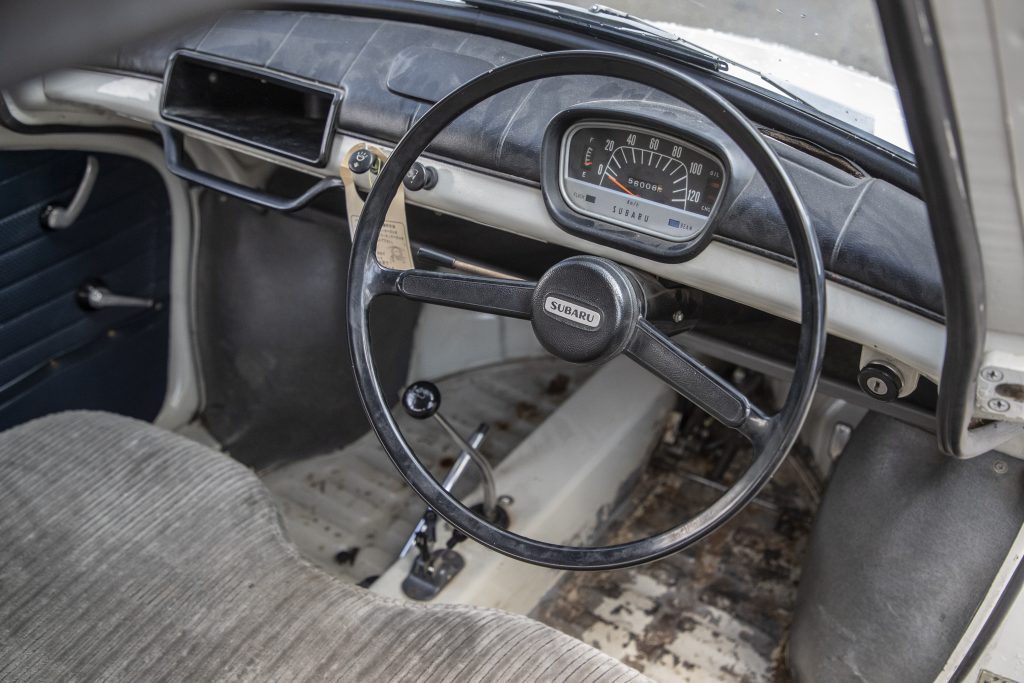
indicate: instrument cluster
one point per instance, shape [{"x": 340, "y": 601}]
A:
[
  {"x": 640, "y": 179},
  {"x": 649, "y": 182}
]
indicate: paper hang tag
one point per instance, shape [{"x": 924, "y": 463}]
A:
[{"x": 393, "y": 247}]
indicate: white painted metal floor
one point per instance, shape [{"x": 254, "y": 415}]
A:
[{"x": 350, "y": 512}]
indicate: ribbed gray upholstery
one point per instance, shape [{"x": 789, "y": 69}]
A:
[{"x": 129, "y": 553}]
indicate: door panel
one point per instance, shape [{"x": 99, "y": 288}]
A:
[{"x": 55, "y": 353}]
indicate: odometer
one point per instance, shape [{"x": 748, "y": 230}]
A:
[{"x": 640, "y": 179}]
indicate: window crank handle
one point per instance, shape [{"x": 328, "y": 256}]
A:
[{"x": 94, "y": 297}]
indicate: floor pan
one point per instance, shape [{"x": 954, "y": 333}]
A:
[
  {"x": 717, "y": 612},
  {"x": 350, "y": 512}
]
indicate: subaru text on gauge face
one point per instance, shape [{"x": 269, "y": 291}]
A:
[{"x": 511, "y": 340}]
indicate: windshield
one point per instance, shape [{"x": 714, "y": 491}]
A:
[{"x": 828, "y": 53}]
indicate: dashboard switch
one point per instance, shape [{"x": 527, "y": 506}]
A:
[
  {"x": 420, "y": 177},
  {"x": 363, "y": 160}
]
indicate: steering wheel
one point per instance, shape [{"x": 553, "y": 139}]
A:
[{"x": 603, "y": 286}]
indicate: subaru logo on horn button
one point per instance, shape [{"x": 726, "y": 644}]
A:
[{"x": 587, "y": 317}]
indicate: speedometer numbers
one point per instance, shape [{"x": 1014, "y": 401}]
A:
[{"x": 640, "y": 179}]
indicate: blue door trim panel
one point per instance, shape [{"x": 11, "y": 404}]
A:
[{"x": 55, "y": 354}]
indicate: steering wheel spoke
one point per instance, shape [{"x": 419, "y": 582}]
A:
[
  {"x": 695, "y": 381},
  {"x": 510, "y": 298}
]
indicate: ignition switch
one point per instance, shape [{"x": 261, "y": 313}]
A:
[{"x": 880, "y": 381}]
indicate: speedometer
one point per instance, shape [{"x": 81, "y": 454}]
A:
[{"x": 640, "y": 179}]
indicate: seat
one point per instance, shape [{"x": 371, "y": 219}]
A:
[{"x": 130, "y": 553}]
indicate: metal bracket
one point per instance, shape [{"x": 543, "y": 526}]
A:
[
  {"x": 428, "y": 577},
  {"x": 1000, "y": 387},
  {"x": 173, "y": 155},
  {"x": 58, "y": 218}
]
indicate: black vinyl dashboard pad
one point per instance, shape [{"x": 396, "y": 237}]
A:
[{"x": 874, "y": 236}]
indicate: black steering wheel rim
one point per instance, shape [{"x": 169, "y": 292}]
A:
[{"x": 367, "y": 280}]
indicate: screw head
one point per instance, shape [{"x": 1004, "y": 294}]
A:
[
  {"x": 1000, "y": 467},
  {"x": 678, "y": 317},
  {"x": 999, "y": 405},
  {"x": 991, "y": 374}
]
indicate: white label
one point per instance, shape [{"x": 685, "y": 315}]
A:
[{"x": 574, "y": 312}]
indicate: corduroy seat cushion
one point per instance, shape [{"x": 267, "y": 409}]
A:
[{"x": 130, "y": 553}]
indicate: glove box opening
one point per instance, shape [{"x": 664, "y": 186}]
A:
[{"x": 259, "y": 107}]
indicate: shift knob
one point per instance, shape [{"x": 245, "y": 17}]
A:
[{"x": 421, "y": 400}]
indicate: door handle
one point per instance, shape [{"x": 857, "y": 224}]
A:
[
  {"x": 94, "y": 297},
  {"x": 58, "y": 218}
]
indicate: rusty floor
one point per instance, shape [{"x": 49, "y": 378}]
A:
[{"x": 717, "y": 612}]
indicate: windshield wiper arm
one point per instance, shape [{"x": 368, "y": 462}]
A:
[{"x": 610, "y": 24}]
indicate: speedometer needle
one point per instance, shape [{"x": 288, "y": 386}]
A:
[{"x": 621, "y": 186}]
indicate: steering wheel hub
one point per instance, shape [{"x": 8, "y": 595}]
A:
[{"x": 585, "y": 309}]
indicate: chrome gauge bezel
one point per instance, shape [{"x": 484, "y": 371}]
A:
[
  {"x": 698, "y": 222},
  {"x": 666, "y": 121}
]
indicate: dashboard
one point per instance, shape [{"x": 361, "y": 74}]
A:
[
  {"x": 518, "y": 163},
  {"x": 875, "y": 235}
]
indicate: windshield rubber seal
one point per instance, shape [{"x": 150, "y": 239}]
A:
[{"x": 916, "y": 57}]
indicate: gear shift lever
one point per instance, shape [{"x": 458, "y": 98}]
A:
[
  {"x": 450, "y": 479},
  {"x": 422, "y": 400},
  {"x": 432, "y": 570}
]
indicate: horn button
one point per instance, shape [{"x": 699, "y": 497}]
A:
[{"x": 585, "y": 309}]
